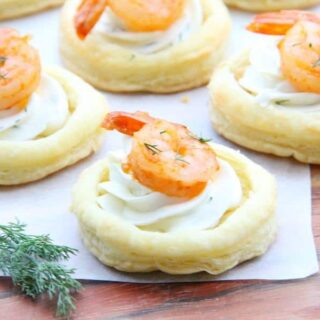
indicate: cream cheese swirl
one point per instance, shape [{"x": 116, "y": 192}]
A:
[
  {"x": 151, "y": 42},
  {"x": 263, "y": 78},
  {"x": 46, "y": 112},
  {"x": 125, "y": 197}
]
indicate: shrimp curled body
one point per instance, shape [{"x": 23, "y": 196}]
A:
[
  {"x": 20, "y": 69},
  {"x": 165, "y": 156},
  {"x": 299, "y": 48},
  {"x": 136, "y": 15}
]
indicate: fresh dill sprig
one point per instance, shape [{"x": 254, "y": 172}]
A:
[
  {"x": 281, "y": 102},
  {"x": 153, "y": 148},
  {"x": 33, "y": 264},
  {"x": 199, "y": 138},
  {"x": 181, "y": 158},
  {"x": 3, "y": 59},
  {"x": 316, "y": 64},
  {"x": 204, "y": 140}
]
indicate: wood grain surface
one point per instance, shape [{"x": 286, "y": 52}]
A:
[{"x": 234, "y": 300}]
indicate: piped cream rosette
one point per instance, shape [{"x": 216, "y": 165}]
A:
[
  {"x": 255, "y": 107},
  {"x": 16, "y": 8},
  {"x": 242, "y": 232},
  {"x": 45, "y": 137},
  {"x": 182, "y": 57},
  {"x": 269, "y": 5}
]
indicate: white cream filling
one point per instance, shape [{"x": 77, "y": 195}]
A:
[
  {"x": 127, "y": 198},
  {"x": 46, "y": 112},
  {"x": 150, "y": 42},
  {"x": 263, "y": 78}
]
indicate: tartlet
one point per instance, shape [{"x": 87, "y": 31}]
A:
[
  {"x": 184, "y": 65},
  {"x": 277, "y": 131},
  {"x": 243, "y": 233},
  {"x": 26, "y": 161},
  {"x": 263, "y": 99}
]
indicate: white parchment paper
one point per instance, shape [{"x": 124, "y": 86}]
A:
[{"x": 44, "y": 205}]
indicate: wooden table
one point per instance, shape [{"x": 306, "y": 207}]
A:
[{"x": 240, "y": 300}]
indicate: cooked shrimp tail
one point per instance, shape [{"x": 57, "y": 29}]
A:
[
  {"x": 278, "y": 23},
  {"x": 126, "y": 123},
  {"x": 88, "y": 14}
]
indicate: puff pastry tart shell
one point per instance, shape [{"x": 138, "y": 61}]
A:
[
  {"x": 26, "y": 161},
  {"x": 243, "y": 233},
  {"x": 269, "y": 5},
  {"x": 279, "y": 131},
  {"x": 114, "y": 68},
  {"x": 16, "y": 8}
]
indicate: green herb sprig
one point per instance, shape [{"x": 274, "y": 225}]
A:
[
  {"x": 316, "y": 64},
  {"x": 33, "y": 264},
  {"x": 281, "y": 102},
  {"x": 199, "y": 138},
  {"x": 3, "y": 59},
  {"x": 181, "y": 159},
  {"x": 153, "y": 148}
]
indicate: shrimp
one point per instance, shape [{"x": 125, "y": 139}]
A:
[
  {"x": 300, "y": 47},
  {"x": 126, "y": 123},
  {"x": 88, "y": 14},
  {"x": 165, "y": 157},
  {"x": 20, "y": 69},
  {"x": 278, "y": 23},
  {"x": 137, "y": 15}
]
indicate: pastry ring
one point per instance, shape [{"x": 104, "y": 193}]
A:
[
  {"x": 243, "y": 233},
  {"x": 270, "y": 5},
  {"x": 17, "y": 8},
  {"x": 276, "y": 110},
  {"x": 26, "y": 161},
  {"x": 113, "y": 67},
  {"x": 276, "y": 131}
]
